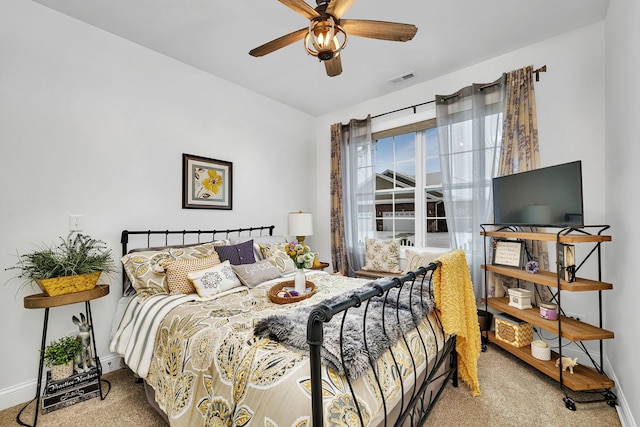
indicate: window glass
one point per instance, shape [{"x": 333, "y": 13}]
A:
[{"x": 407, "y": 167}]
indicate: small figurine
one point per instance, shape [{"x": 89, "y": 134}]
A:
[
  {"x": 567, "y": 362},
  {"x": 85, "y": 362}
]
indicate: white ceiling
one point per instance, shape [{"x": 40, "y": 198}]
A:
[{"x": 216, "y": 36}]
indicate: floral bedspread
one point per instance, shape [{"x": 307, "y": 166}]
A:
[{"x": 208, "y": 368}]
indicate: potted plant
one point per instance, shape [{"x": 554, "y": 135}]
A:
[
  {"x": 59, "y": 355},
  {"x": 72, "y": 266}
]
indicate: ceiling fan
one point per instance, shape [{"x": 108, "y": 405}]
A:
[{"x": 327, "y": 33}]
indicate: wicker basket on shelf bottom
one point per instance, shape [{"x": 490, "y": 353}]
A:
[
  {"x": 68, "y": 284},
  {"x": 276, "y": 290}
]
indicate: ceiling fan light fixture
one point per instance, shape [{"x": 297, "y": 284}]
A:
[{"x": 325, "y": 38}]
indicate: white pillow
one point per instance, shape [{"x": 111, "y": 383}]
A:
[
  {"x": 421, "y": 258},
  {"x": 214, "y": 280},
  {"x": 382, "y": 255}
]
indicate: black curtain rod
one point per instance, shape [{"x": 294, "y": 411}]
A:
[
  {"x": 404, "y": 108},
  {"x": 537, "y": 72}
]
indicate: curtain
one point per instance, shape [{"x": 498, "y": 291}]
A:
[
  {"x": 352, "y": 194},
  {"x": 470, "y": 124},
  {"x": 520, "y": 148}
]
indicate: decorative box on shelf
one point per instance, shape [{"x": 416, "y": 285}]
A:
[
  {"x": 520, "y": 298},
  {"x": 513, "y": 331},
  {"x": 69, "y": 391}
]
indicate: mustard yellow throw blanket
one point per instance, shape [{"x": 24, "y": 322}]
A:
[{"x": 453, "y": 290}]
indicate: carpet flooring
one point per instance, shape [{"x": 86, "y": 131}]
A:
[{"x": 513, "y": 394}]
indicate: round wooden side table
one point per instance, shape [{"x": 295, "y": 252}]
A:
[{"x": 44, "y": 301}]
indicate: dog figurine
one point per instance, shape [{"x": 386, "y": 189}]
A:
[{"x": 567, "y": 363}]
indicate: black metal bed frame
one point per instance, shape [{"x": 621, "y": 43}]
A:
[
  {"x": 418, "y": 406},
  {"x": 171, "y": 238},
  {"x": 417, "y": 402}
]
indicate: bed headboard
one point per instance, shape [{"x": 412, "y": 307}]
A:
[{"x": 162, "y": 238}]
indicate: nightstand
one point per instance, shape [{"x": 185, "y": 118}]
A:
[{"x": 47, "y": 302}]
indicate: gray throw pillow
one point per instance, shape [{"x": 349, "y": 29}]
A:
[{"x": 252, "y": 275}]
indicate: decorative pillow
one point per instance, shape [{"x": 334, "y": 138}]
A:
[
  {"x": 417, "y": 259},
  {"x": 178, "y": 270},
  {"x": 145, "y": 273},
  {"x": 257, "y": 240},
  {"x": 276, "y": 255},
  {"x": 214, "y": 280},
  {"x": 253, "y": 274},
  {"x": 382, "y": 255},
  {"x": 242, "y": 253}
]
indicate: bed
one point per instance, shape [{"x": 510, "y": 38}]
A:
[{"x": 356, "y": 352}]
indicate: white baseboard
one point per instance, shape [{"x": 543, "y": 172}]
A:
[
  {"x": 25, "y": 392},
  {"x": 623, "y": 409}
]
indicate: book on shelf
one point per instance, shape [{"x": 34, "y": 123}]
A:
[{"x": 567, "y": 261}]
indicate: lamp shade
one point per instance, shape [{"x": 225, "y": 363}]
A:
[{"x": 300, "y": 225}]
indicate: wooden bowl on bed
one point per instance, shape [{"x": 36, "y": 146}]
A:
[{"x": 275, "y": 289}]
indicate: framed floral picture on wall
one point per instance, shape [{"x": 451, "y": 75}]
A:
[{"x": 206, "y": 183}]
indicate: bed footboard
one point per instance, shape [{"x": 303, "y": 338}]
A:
[{"x": 416, "y": 400}]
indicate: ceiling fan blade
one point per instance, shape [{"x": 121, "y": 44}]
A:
[
  {"x": 301, "y": 7},
  {"x": 279, "y": 43},
  {"x": 333, "y": 66},
  {"x": 337, "y": 8},
  {"x": 381, "y": 30}
]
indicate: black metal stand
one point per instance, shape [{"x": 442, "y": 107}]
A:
[{"x": 40, "y": 301}]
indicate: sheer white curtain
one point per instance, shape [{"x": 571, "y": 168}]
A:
[
  {"x": 469, "y": 135},
  {"x": 358, "y": 190}
]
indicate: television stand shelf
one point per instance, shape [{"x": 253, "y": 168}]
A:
[{"x": 584, "y": 378}]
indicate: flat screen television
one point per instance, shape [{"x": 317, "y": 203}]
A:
[{"x": 545, "y": 197}]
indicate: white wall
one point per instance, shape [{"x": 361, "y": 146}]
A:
[
  {"x": 92, "y": 124},
  {"x": 621, "y": 197}
]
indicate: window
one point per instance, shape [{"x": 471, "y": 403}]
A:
[{"x": 408, "y": 186}]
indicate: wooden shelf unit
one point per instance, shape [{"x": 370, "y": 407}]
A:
[{"x": 583, "y": 378}]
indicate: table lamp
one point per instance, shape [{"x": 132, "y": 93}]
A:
[{"x": 300, "y": 225}]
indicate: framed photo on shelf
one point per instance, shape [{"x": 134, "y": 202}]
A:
[
  {"x": 206, "y": 183},
  {"x": 509, "y": 253}
]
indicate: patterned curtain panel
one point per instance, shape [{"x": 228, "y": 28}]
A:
[
  {"x": 352, "y": 194},
  {"x": 521, "y": 151},
  {"x": 469, "y": 134},
  {"x": 338, "y": 245}
]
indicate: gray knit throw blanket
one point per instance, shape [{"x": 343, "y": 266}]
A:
[{"x": 403, "y": 310}]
